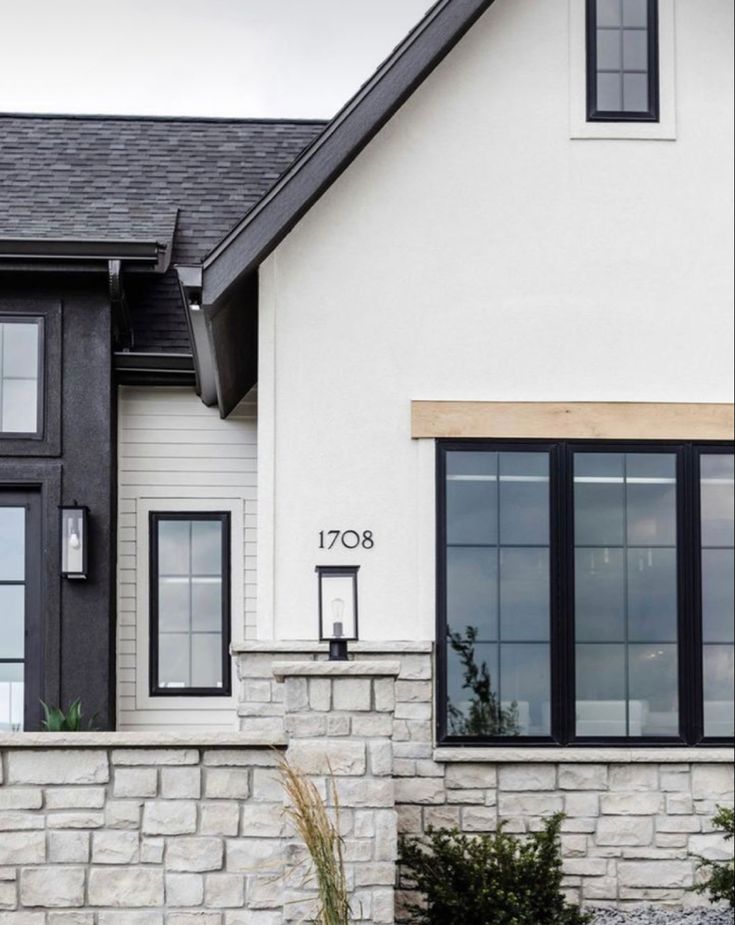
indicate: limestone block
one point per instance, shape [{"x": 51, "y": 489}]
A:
[
  {"x": 582, "y": 803},
  {"x": 52, "y": 887},
  {"x": 326, "y": 756},
  {"x": 131, "y": 757},
  {"x": 479, "y": 819},
  {"x": 442, "y": 817},
  {"x": 305, "y": 725},
  {"x": 385, "y": 695},
  {"x": 184, "y": 889},
  {"x": 219, "y": 818},
  {"x": 386, "y": 835},
  {"x": 266, "y": 785},
  {"x": 75, "y": 798},
  {"x": 709, "y": 782},
  {"x": 262, "y": 820},
  {"x": 419, "y": 790},
  {"x": 257, "y": 691},
  {"x": 585, "y": 867},
  {"x": 380, "y": 753},
  {"x": 712, "y": 846},
  {"x": 83, "y": 819},
  {"x": 240, "y": 757},
  {"x": 415, "y": 668},
  {"x": 297, "y": 695},
  {"x": 529, "y": 804},
  {"x": 123, "y": 814},
  {"x": 383, "y": 903},
  {"x": 679, "y": 824},
  {"x": 471, "y": 776},
  {"x": 583, "y": 776},
  {"x": 409, "y": 820},
  {"x": 115, "y": 847},
  {"x": 151, "y": 851},
  {"x": 631, "y": 804},
  {"x": 57, "y": 766},
  {"x": 630, "y": 777},
  {"x": 675, "y": 781},
  {"x": 522, "y": 777},
  {"x": 338, "y": 725},
  {"x": 679, "y": 804},
  {"x": 135, "y": 782},
  {"x": 70, "y": 918},
  {"x": 181, "y": 783},
  {"x": 68, "y": 847},
  {"x": 413, "y": 691},
  {"x": 351, "y": 695},
  {"x": 130, "y": 918},
  {"x": 413, "y": 711},
  {"x": 252, "y": 855},
  {"x": 194, "y": 854},
  {"x": 20, "y": 798},
  {"x": 22, "y": 918},
  {"x": 22, "y": 848},
  {"x": 624, "y": 830},
  {"x": 227, "y": 784},
  {"x": 372, "y": 725},
  {"x": 14, "y": 820},
  {"x": 594, "y": 888},
  {"x": 664, "y": 874},
  {"x": 8, "y": 895},
  {"x": 125, "y": 886},
  {"x": 320, "y": 694},
  {"x": 365, "y": 792},
  {"x": 174, "y": 817},
  {"x": 224, "y": 891}
]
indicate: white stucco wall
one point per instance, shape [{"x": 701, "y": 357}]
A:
[{"x": 475, "y": 250}]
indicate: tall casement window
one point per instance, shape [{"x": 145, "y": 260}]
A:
[
  {"x": 21, "y": 367},
  {"x": 622, "y": 60},
  {"x": 585, "y": 592},
  {"x": 190, "y": 604}
]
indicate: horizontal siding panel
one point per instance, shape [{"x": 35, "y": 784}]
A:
[
  {"x": 193, "y": 451},
  {"x": 211, "y": 466}
]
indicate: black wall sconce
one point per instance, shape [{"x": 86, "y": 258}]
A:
[
  {"x": 74, "y": 519},
  {"x": 337, "y": 608}
]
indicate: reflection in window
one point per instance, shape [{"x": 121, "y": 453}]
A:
[
  {"x": 12, "y": 617},
  {"x": 717, "y": 479},
  {"x": 20, "y": 341},
  {"x": 497, "y": 593},
  {"x": 626, "y": 594},
  {"x": 622, "y": 78},
  {"x": 190, "y": 597}
]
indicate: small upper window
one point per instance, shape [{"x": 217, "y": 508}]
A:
[
  {"x": 20, "y": 375},
  {"x": 622, "y": 61}
]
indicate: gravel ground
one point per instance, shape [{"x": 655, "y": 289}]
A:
[{"x": 658, "y": 917}]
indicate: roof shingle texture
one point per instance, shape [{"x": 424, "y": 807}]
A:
[{"x": 124, "y": 178}]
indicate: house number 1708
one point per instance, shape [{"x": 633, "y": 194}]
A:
[{"x": 350, "y": 539}]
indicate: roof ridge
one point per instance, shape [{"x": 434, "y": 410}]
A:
[{"x": 125, "y": 117}]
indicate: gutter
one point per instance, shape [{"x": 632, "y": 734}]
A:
[
  {"x": 153, "y": 368},
  {"x": 152, "y": 253}
]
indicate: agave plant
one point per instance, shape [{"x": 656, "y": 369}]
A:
[{"x": 56, "y": 720}]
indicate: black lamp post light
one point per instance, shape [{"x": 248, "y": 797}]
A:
[
  {"x": 74, "y": 540},
  {"x": 337, "y": 608}
]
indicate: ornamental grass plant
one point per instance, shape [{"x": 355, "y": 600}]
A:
[
  {"x": 320, "y": 834},
  {"x": 495, "y": 879}
]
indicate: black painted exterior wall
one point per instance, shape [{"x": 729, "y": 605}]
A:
[{"x": 76, "y": 461}]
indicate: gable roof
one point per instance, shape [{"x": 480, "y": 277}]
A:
[
  {"x": 240, "y": 253},
  {"x": 141, "y": 178}
]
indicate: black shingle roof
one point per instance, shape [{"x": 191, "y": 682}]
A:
[{"x": 124, "y": 178}]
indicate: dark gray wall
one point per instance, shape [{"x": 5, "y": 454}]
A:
[{"x": 78, "y": 616}]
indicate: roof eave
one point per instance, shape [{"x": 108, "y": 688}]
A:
[{"x": 150, "y": 253}]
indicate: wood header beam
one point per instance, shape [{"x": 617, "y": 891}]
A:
[{"x": 573, "y": 420}]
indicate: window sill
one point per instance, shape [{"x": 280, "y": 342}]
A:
[
  {"x": 576, "y": 755},
  {"x": 166, "y": 739}
]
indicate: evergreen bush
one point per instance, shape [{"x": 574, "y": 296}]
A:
[{"x": 721, "y": 881}]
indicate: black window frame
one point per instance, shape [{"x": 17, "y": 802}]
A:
[
  {"x": 562, "y": 591},
  {"x": 154, "y": 518},
  {"x": 653, "y": 112},
  {"x": 40, "y": 322}
]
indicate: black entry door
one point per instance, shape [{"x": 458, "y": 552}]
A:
[{"x": 20, "y": 622}]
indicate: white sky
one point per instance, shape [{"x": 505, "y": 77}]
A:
[{"x": 300, "y": 58}]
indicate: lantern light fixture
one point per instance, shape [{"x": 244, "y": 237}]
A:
[
  {"x": 337, "y": 607},
  {"x": 74, "y": 540}
]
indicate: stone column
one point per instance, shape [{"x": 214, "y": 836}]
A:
[{"x": 339, "y": 724}]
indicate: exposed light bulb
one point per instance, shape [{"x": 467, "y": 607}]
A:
[{"x": 74, "y": 540}]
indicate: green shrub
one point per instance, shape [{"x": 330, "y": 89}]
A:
[
  {"x": 721, "y": 881},
  {"x": 55, "y": 720},
  {"x": 488, "y": 879}
]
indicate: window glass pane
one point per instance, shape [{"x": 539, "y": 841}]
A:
[
  {"x": 20, "y": 351},
  {"x": 206, "y": 660},
  {"x": 19, "y": 406},
  {"x": 609, "y": 93},
  {"x": 524, "y": 594},
  {"x": 472, "y": 493},
  {"x": 525, "y": 689},
  {"x": 718, "y": 594},
  {"x": 174, "y": 547},
  {"x": 635, "y": 50},
  {"x": 599, "y": 499},
  {"x": 524, "y": 498},
  {"x": 718, "y": 499},
  {"x": 173, "y": 660},
  {"x": 635, "y": 13},
  {"x": 609, "y": 12},
  {"x": 206, "y": 543},
  {"x": 599, "y": 595},
  {"x": 609, "y": 49},
  {"x": 654, "y": 688},
  {"x": 12, "y": 697},
  {"x": 12, "y": 543},
  {"x": 191, "y": 605},
  {"x": 12, "y": 621},
  {"x": 601, "y": 697},
  {"x": 473, "y": 698},
  {"x": 626, "y": 592},
  {"x": 635, "y": 92},
  {"x": 719, "y": 692},
  {"x": 652, "y": 595},
  {"x": 472, "y": 590}
]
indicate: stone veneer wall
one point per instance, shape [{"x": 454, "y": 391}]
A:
[{"x": 636, "y": 819}]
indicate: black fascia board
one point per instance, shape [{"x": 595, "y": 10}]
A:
[
  {"x": 268, "y": 223},
  {"x": 84, "y": 250},
  {"x": 153, "y": 368}
]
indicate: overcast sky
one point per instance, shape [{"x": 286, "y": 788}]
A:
[{"x": 194, "y": 57}]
